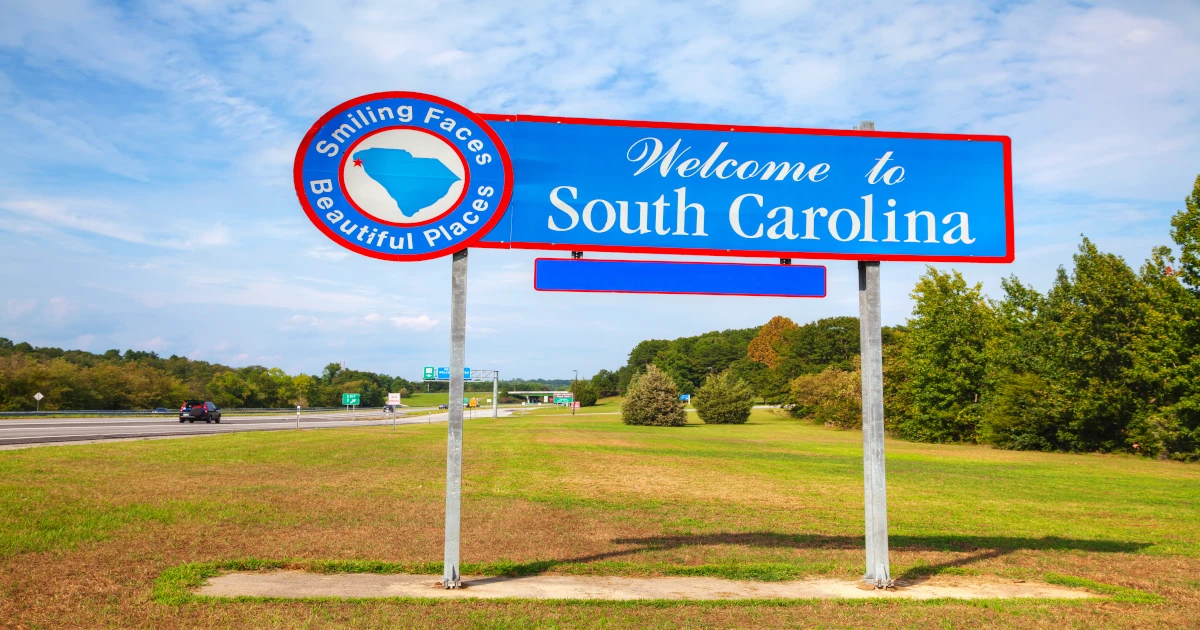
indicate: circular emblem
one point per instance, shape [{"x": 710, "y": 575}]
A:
[{"x": 402, "y": 176}]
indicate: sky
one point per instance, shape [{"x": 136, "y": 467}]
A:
[{"x": 145, "y": 183}]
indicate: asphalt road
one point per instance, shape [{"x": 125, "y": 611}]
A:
[{"x": 58, "y": 430}]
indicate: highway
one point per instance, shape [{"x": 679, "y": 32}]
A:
[{"x": 20, "y": 433}]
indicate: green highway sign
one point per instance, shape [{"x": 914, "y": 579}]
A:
[
  {"x": 562, "y": 399},
  {"x": 430, "y": 373},
  {"x": 350, "y": 400}
]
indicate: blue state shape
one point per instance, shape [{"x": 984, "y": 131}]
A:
[{"x": 413, "y": 183}]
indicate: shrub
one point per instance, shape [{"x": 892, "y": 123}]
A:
[
  {"x": 723, "y": 400},
  {"x": 653, "y": 400},
  {"x": 832, "y": 397},
  {"x": 1022, "y": 415}
]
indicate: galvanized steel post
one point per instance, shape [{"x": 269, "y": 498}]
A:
[
  {"x": 874, "y": 474},
  {"x": 495, "y": 394},
  {"x": 454, "y": 435}
]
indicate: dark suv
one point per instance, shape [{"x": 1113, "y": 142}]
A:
[{"x": 194, "y": 410}]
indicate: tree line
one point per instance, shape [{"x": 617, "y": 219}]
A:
[
  {"x": 76, "y": 379},
  {"x": 1106, "y": 360}
]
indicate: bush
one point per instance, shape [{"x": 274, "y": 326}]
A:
[
  {"x": 653, "y": 400},
  {"x": 724, "y": 400},
  {"x": 832, "y": 397},
  {"x": 1022, "y": 415}
]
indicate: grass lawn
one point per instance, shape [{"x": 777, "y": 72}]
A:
[
  {"x": 87, "y": 532},
  {"x": 433, "y": 399}
]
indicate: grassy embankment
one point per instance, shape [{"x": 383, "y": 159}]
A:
[{"x": 112, "y": 534}]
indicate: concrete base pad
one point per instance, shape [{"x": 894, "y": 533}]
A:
[{"x": 362, "y": 585}]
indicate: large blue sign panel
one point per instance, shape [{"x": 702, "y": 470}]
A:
[
  {"x": 677, "y": 188},
  {"x": 678, "y": 277}
]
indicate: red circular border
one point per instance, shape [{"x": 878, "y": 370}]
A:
[
  {"x": 501, "y": 206},
  {"x": 462, "y": 158}
]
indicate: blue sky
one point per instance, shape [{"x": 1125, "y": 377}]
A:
[{"x": 146, "y": 202}]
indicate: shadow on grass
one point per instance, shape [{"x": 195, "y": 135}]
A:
[{"x": 980, "y": 548}]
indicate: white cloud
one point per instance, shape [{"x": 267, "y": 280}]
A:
[
  {"x": 20, "y": 306},
  {"x": 374, "y": 317},
  {"x": 59, "y": 307},
  {"x": 75, "y": 215},
  {"x": 325, "y": 252},
  {"x": 156, "y": 344},
  {"x": 420, "y": 323}
]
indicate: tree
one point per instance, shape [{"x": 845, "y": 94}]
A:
[
  {"x": 584, "y": 393},
  {"x": 764, "y": 348},
  {"x": 653, "y": 400},
  {"x": 945, "y": 361},
  {"x": 832, "y": 397},
  {"x": 723, "y": 399},
  {"x": 606, "y": 383},
  {"x": 228, "y": 389}
]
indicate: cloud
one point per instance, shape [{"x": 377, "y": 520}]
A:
[
  {"x": 59, "y": 307},
  {"x": 19, "y": 306},
  {"x": 156, "y": 344},
  {"x": 420, "y": 323},
  {"x": 325, "y": 252},
  {"x": 75, "y": 215}
]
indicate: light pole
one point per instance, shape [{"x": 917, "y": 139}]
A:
[{"x": 574, "y": 390}]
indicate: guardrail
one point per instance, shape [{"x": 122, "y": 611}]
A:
[{"x": 169, "y": 412}]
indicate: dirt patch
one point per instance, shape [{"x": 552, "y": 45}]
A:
[{"x": 362, "y": 585}]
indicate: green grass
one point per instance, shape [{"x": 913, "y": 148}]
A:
[{"x": 550, "y": 493}]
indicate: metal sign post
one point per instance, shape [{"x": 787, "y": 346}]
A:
[
  {"x": 874, "y": 474},
  {"x": 38, "y": 397},
  {"x": 454, "y": 438},
  {"x": 496, "y": 395}
]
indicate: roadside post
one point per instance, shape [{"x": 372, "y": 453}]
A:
[
  {"x": 297, "y": 416},
  {"x": 660, "y": 188},
  {"x": 393, "y": 402},
  {"x": 38, "y": 398},
  {"x": 451, "y": 578}
]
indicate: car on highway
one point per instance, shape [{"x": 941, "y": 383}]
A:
[
  {"x": 194, "y": 410},
  {"x": 443, "y": 406},
  {"x": 161, "y": 410}
]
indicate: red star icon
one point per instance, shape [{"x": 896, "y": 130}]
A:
[{"x": 358, "y": 162}]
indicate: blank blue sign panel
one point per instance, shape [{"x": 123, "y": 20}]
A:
[{"x": 692, "y": 278}]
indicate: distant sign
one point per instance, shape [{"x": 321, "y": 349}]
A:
[
  {"x": 430, "y": 373},
  {"x": 562, "y": 400},
  {"x": 575, "y": 404},
  {"x": 443, "y": 373},
  {"x": 393, "y": 398},
  {"x": 350, "y": 400},
  {"x": 38, "y": 396},
  {"x": 685, "y": 397},
  {"x": 721, "y": 190}
]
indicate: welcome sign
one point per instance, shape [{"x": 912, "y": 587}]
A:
[
  {"x": 408, "y": 176},
  {"x": 677, "y": 188}
]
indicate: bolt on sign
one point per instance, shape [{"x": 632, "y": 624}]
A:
[{"x": 404, "y": 176}]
